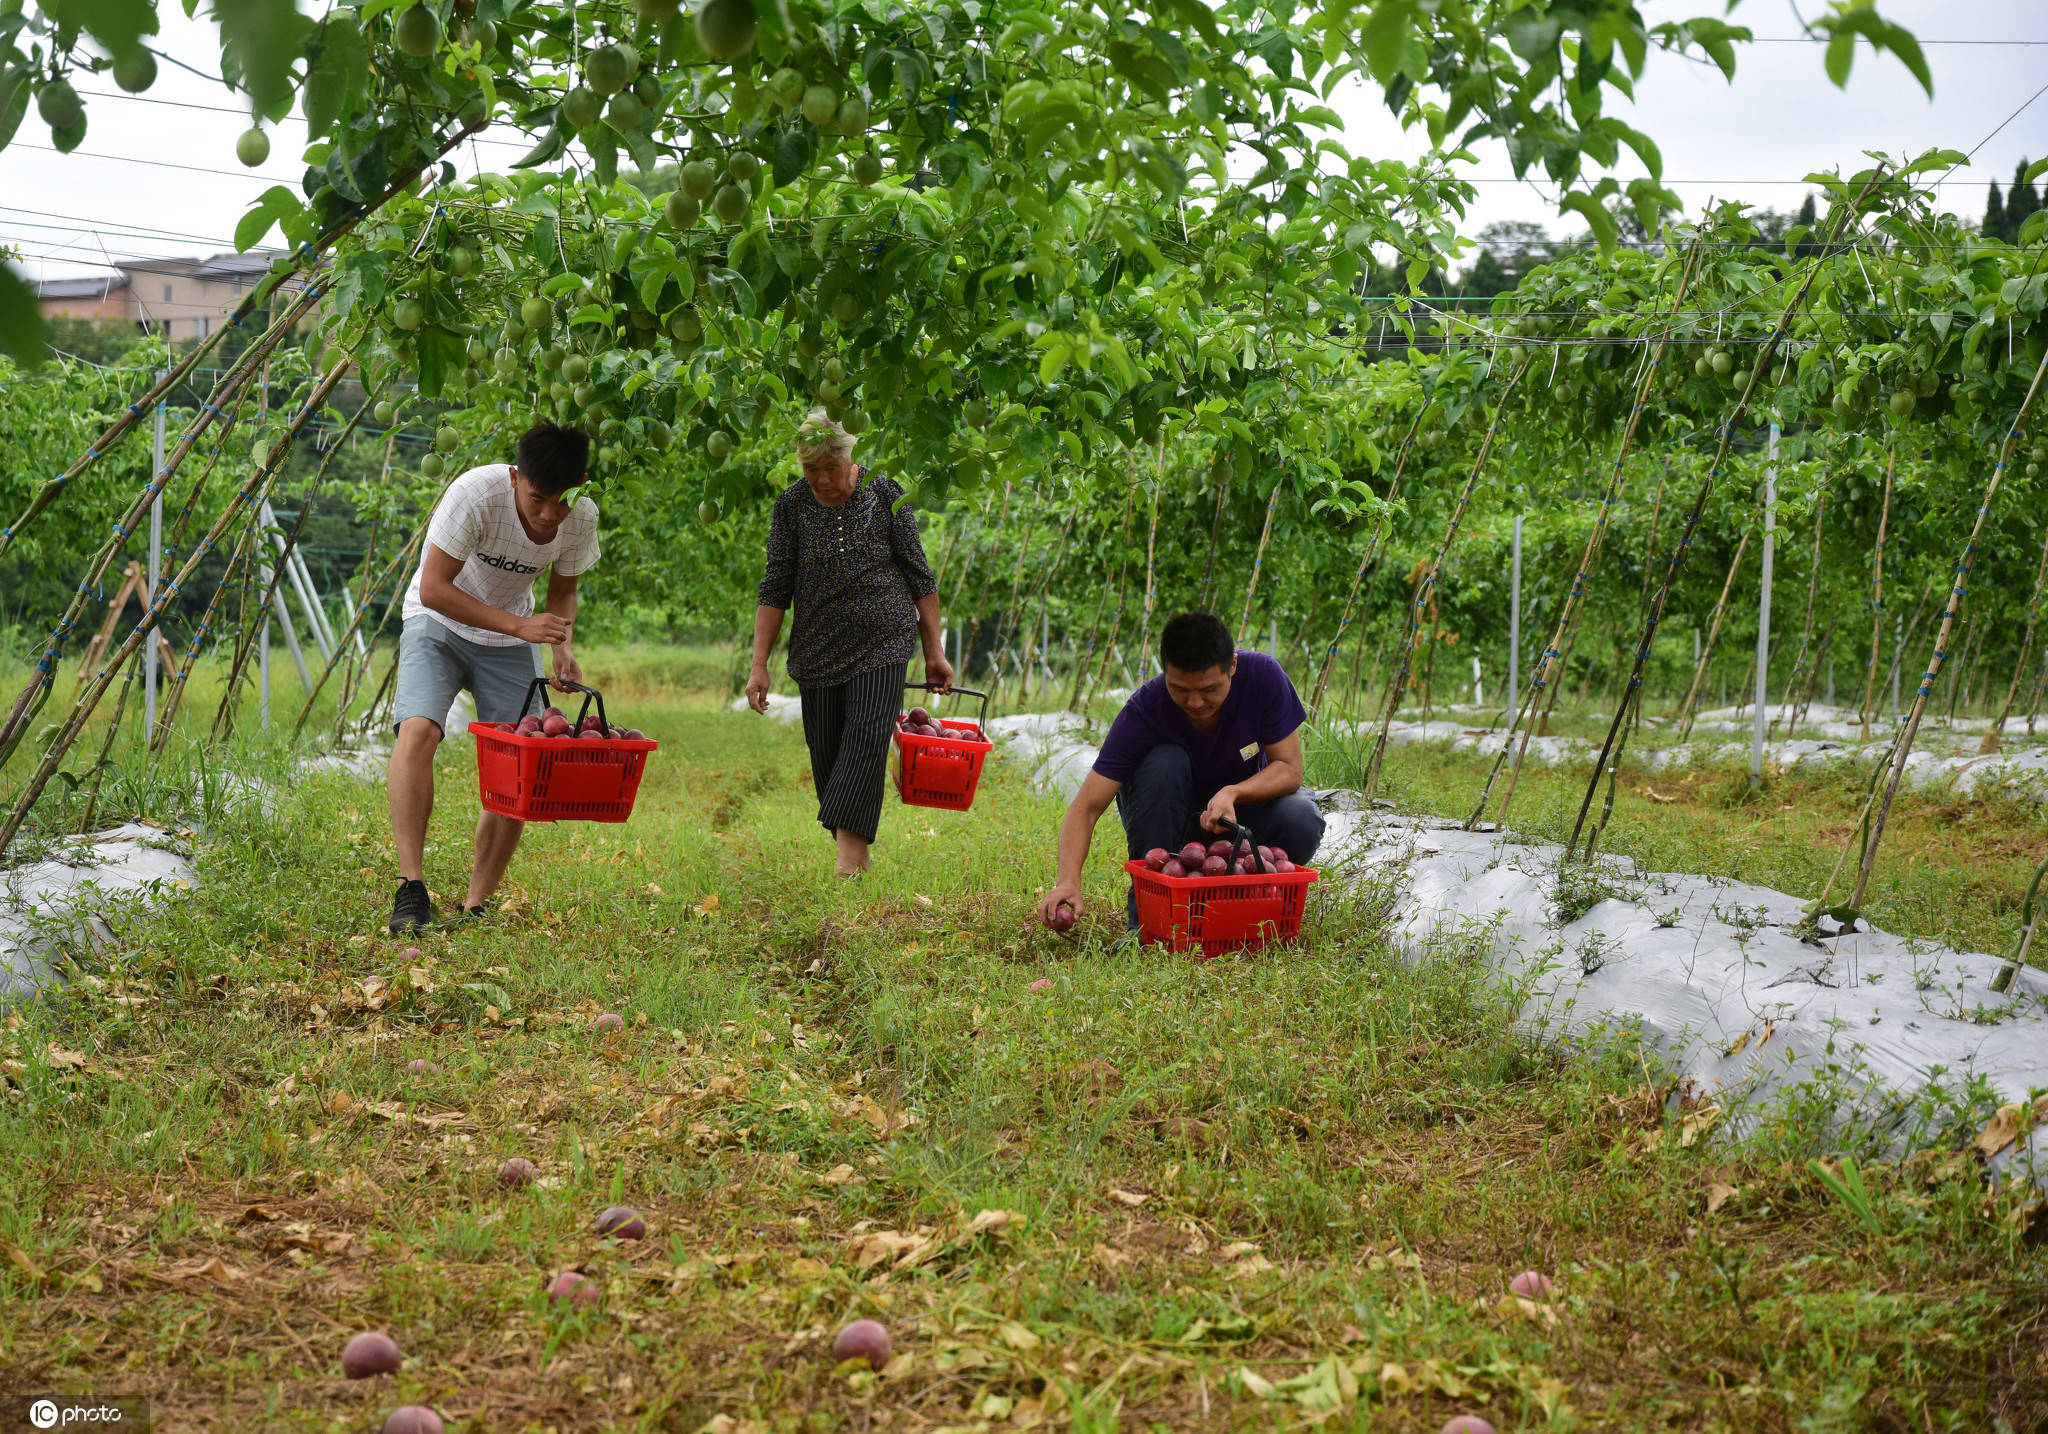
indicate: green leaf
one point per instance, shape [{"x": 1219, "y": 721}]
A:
[
  {"x": 116, "y": 24},
  {"x": 13, "y": 103},
  {"x": 21, "y": 318},
  {"x": 338, "y": 72},
  {"x": 792, "y": 154},
  {"x": 552, "y": 146},
  {"x": 273, "y": 206},
  {"x": 1605, "y": 231},
  {"x": 1841, "y": 54},
  {"x": 260, "y": 40},
  {"x": 440, "y": 352}
]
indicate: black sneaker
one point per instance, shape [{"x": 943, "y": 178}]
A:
[{"x": 411, "y": 909}]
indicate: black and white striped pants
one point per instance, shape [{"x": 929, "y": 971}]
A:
[{"x": 849, "y": 727}]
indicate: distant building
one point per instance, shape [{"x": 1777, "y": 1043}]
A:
[{"x": 179, "y": 298}]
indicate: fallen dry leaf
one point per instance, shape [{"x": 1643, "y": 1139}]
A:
[
  {"x": 210, "y": 1268},
  {"x": 1016, "y": 1336},
  {"x": 2003, "y": 1129},
  {"x": 57, "y": 1056},
  {"x": 993, "y": 1221},
  {"x": 708, "y": 905},
  {"x": 841, "y": 1175},
  {"x": 1718, "y": 1194},
  {"x": 1111, "y": 1258},
  {"x": 1128, "y": 1197},
  {"x": 1697, "y": 1123}
]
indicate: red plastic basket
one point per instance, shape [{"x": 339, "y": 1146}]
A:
[
  {"x": 1215, "y": 914},
  {"x": 943, "y": 771},
  {"x": 558, "y": 779}
]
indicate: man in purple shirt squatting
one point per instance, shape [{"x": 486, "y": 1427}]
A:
[{"x": 1215, "y": 739}]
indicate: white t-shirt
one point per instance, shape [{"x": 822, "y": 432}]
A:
[{"x": 477, "y": 521}]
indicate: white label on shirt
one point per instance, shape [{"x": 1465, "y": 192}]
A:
[{"x": 1248, "y": 750}]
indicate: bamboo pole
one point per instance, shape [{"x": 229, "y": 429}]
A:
[
  {"x": 1426, "y": 586},
  {"x": 303, "y": 259},
  {"x": 1820, "y": 507},
  {"x": 1116, "y": 620},
  {"x": 1005, "y": 623},
  {"x": 248, "y": 636},
  {"x": 1215, "y": 530},
  {"x": 1366, "y": 562},
  {"x": 237, "y": 568},
  {"x": 1244, "y": 622},
  {"x": 1756, "y": 377},
  {"x": 995, "y": 548},
  {"x": 2019, "y": 668},
  {"x": 1549, "y": 668},
  {"x": 1037, "y": 621},
  {"x": 1151, "y": 548},
  {"x": 1964, "y": 562},
  {"x": 235, "y": 383},
  {"x": 2030, "y": 923},
  {"x": 246, "y": 499},
  {"x": 99, "y": 768},
  {"x": 397, "y": 564},
  {"x": 1884, "y": 514}
]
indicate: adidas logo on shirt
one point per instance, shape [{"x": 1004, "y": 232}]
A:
[{"x": 509, "y": 564}]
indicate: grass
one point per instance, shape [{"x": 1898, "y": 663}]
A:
[
  {"x": 1953, "y": 868},
  {"x": 1265, "y": 1191}
]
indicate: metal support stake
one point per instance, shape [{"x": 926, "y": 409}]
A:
[
  {"x": 1763, "y": 621},
  {"x": 263, "y": 672},
  {"x": 291, "y": 633}
]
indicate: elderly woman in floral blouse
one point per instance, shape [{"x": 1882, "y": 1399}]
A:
[{"x": 849, "y": 560}]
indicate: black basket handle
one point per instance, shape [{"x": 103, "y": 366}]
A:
[
  {"x": 981, "y": 722},
  {"x": 590, "y": 694},
  {"x": 1240, "y": 832}
]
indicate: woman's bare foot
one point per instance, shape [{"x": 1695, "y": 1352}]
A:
[{"x": 853, "y": 853}]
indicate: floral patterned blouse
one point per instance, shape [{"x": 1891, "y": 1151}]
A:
[{"x": 853, "y": 574}]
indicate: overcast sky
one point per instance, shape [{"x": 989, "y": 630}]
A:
[{"x": 156, "y": 177}]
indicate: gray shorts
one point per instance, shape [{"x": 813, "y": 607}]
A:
[{"x": 435, "y": 664}]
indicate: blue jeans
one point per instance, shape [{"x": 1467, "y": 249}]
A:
[{"x": 1159, "y": 806}]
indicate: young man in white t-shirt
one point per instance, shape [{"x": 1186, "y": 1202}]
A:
[{"x": 470, "y": 624}]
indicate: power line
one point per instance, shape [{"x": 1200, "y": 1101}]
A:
[
  {"x": 243, "y": 114},
  {"x": 86, "y": 219}
]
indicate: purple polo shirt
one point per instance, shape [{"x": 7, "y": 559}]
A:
[{"x": 1262, "y": 708}]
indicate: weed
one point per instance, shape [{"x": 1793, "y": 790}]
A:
[{"x": 1317, "y": 1163}]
